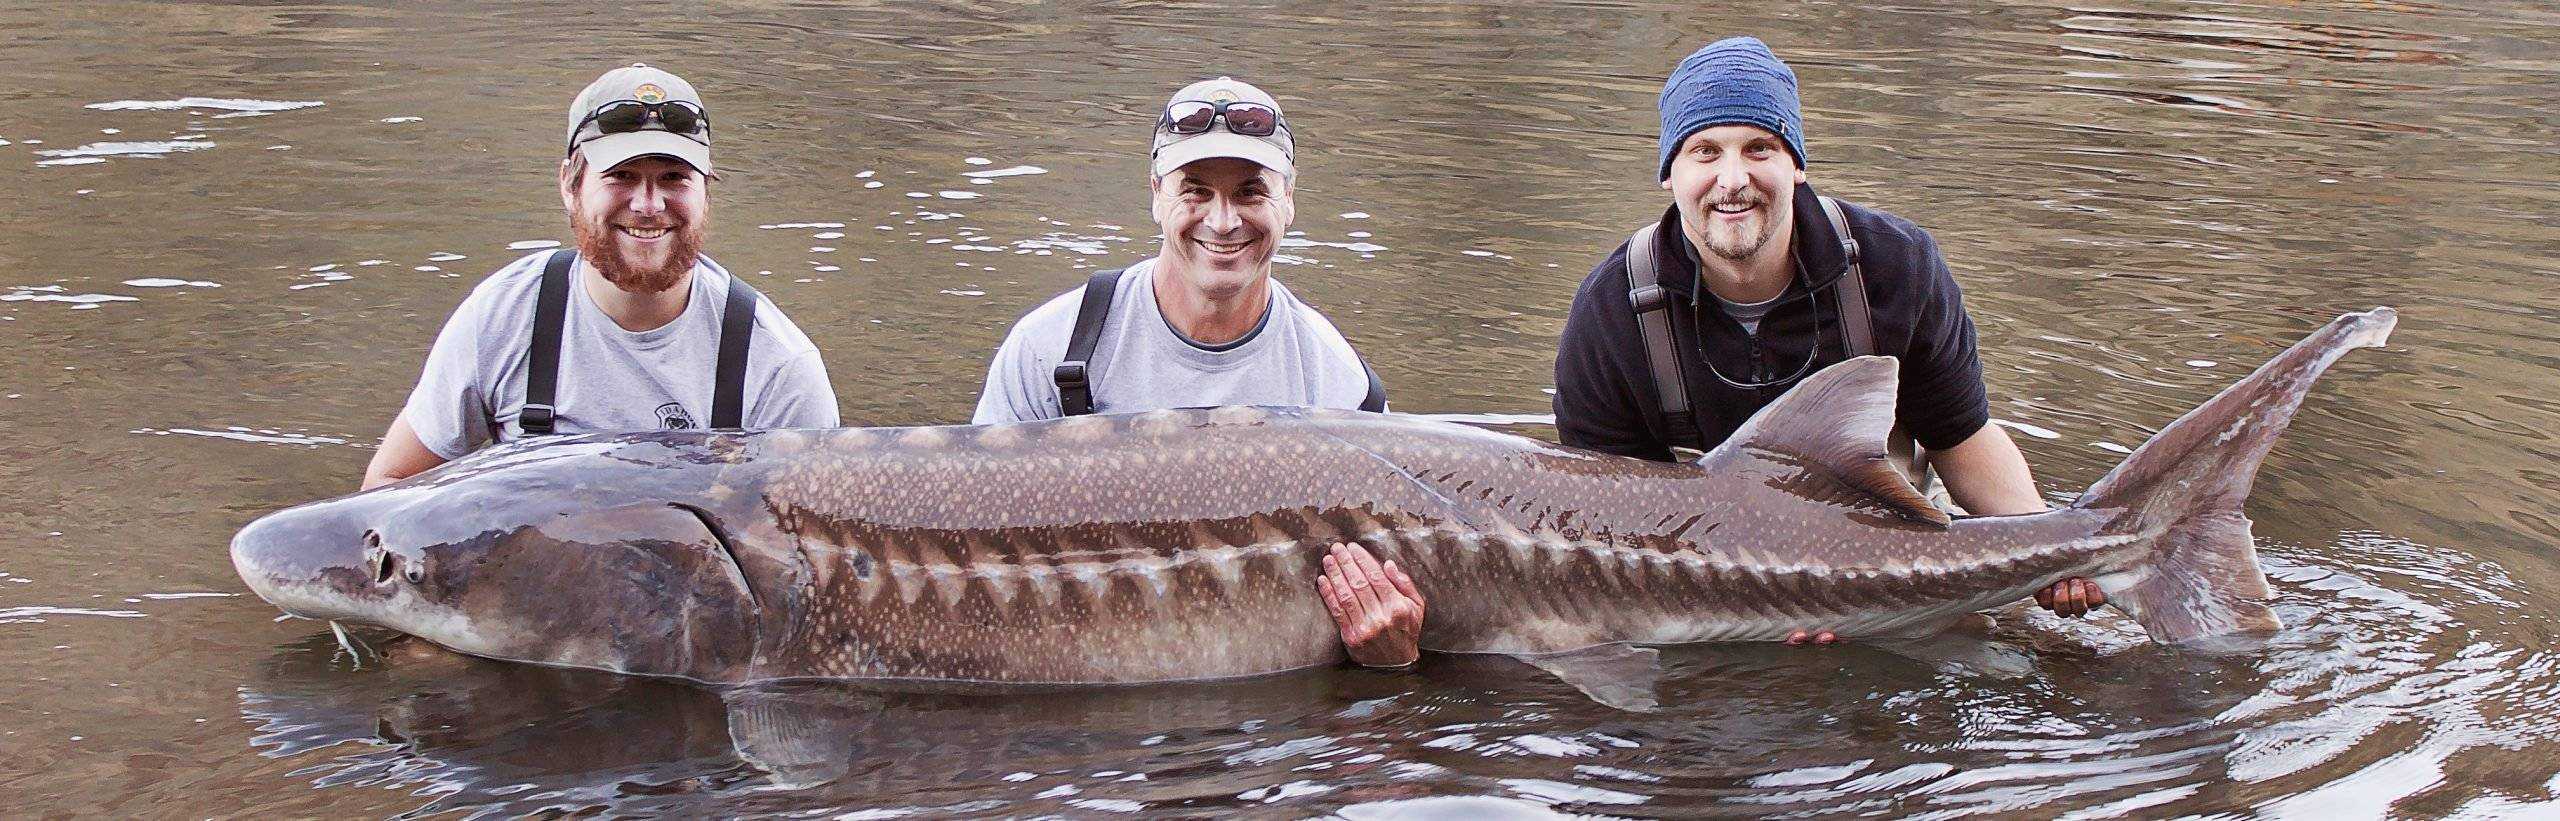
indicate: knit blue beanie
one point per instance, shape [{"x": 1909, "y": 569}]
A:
[{"x": 1733, "y": 80}]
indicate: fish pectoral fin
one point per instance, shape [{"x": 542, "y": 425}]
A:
[
  {"x": 801, "y": 735},
  {"x": 1617, "y": 675}
]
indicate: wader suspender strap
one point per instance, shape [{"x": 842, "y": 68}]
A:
[
  {"x": 1074, "y": 375},
  {"x": 737, "y": 331},
  {"x": 1653, "y": 320},
  {"x": 1857, "y": 322},
  {"x": 550, "y": 312},
  {"x": 542, "y": 373}
]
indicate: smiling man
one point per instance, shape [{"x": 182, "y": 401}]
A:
[
  {"x": 1751, "y": 281},
  {"x": 1203, "y": 323},
  {"x": 633, "y": 330}
]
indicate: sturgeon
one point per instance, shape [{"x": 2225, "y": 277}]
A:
[{"x": 1177, "y": 545}]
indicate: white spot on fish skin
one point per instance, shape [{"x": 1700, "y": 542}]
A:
[
  {"x": 909, "y": 580},
  {"x": 995, "y": 437},
  {"x": 1078, "y": 429},
  {"x": 925, "y": 438},
  {"x": 1238, "y": 415},
  {"x": 785, "y": 442},
  {"x": 1227, "y": 564},
  {"x": 1159, "y": 421}
]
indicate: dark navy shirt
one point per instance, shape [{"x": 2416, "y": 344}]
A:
[{"x": 1605, "y": 398}]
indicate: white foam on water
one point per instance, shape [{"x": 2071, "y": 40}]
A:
[
  {"x": 827, "y": 269},
  {"x": 444, "y": 256},
  {"x": 979, "y": 161},
  {"x": 962, "y": 292},
  {"x": 401, "y": 120},
  {"x": 530, "y": 244},
  {"x": 73, "y": 161},
  {"x": 2030, "y": 430},
  {"x": 821, "y": 249},
  {"x": 784, "y": 225},
  {"x": 426, "y": 268},
  {"x": 874, "y": 184},
  {"x": 33, "y": 613},
  {"x": 230, "y": 104},
  {"x": 244, "y": 435},
  {"x": 863, "y": 175},
  {"x": 2201, "y": 363},
  {"x": 76, "y": 300},
  {"x": 306, "y": 285},
  {"x": 1358, "y": 247},
  {"x": 1060, "y": 791},
  {"x": 919, "y": 195},
  {"x": 958, "y": 195},
  {"x": 2112, "y": 447},
  {"x": 1355, "y": 215},
  {"x": 1283, "y": 792},
  {"x": 165, "y": 282},
  {"x": 1016, "y": 171},
  {"x": 139, "y": 148},
  {"x": 828, "y": 234},
  {"x": 171, "y": 596},
  {"x": 318, "y": 268},
  {"x": 1540, "y": 789}
]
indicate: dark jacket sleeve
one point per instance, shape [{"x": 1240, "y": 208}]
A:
[
  {"x": 1942, "y": 400},
  {"x": 1603, "y": 391}
]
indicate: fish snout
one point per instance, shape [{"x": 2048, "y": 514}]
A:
[{"x": 313, "y": 561}]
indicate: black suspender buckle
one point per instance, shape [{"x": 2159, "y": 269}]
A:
[
  {"x": 536, "y": 420},
  {"x": 1070, "y": 375},
  {"x": 1647, "y": 298}
]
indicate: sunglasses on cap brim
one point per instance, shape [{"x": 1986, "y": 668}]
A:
[
  {"x": 1198, "y": 116},
  {"x": 625, "y": 116}
]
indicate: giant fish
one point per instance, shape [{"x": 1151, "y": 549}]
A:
[{"x": 1176, "y": 545}]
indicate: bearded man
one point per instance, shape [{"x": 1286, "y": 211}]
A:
[
  {"x": 635, "y": 329},
  {"x": 1751, "y": 281}
]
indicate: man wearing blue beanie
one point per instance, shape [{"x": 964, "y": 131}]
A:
[{"x": 1750, "y": 282}]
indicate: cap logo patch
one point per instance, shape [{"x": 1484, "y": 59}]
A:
[
  {"x": 1222, "y": 96},
  {"x": 649, "y": 93}
]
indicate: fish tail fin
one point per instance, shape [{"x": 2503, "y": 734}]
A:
[{"x": 2184, "y": 490}]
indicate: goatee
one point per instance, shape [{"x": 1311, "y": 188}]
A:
[{"x": 597, "y": 246}]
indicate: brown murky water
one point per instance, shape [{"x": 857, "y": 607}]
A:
[{"x": 231, "y": 231}]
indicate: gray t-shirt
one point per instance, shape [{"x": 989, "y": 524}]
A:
[
  {"x": 1295, "y": 357},
  {"x": 611, "y": 379}
]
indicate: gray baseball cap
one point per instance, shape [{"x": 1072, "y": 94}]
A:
[
  {"x": 1274, "y": 152},
  {"x": 643, "y": 83}
]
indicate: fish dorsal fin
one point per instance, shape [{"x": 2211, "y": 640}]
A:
[{"x": 1834, "y": 422}]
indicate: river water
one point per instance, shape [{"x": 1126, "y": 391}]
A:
[{"x": 231, "y": 231}]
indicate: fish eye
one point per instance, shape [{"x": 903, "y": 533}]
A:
[{"x": 415, "y": 572}]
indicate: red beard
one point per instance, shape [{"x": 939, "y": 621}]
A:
[{"x": 597, "y": 246}]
